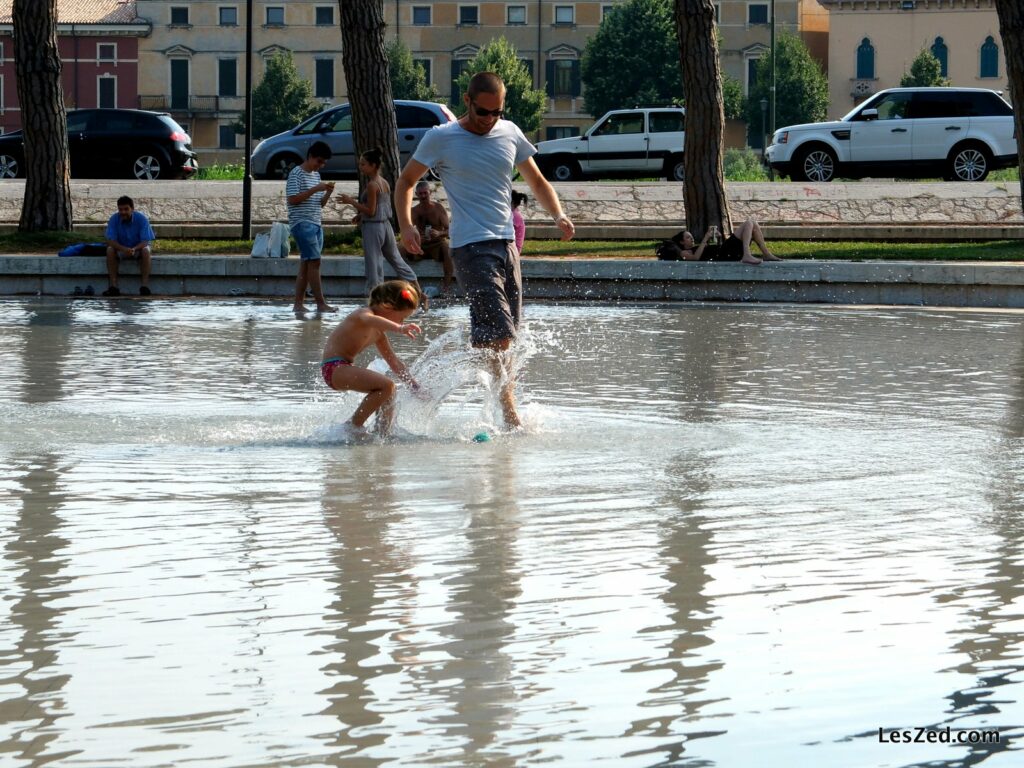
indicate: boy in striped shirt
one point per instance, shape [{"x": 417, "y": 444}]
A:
[{"x": 307, "y": 195}]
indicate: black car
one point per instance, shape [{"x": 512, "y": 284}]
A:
[{"x": 114, "y": 143}]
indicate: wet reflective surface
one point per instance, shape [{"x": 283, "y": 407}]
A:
[{"x": 730, "y": 536}]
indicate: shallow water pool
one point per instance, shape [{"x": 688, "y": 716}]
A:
[{"x": 729, "y": 536}]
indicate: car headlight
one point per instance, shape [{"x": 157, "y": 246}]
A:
[{"x": 781, "y": 137}]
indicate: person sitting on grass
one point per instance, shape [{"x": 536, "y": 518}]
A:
[
  {"x": 129, "y": 235},
  {"x": 736, "y": 246}
]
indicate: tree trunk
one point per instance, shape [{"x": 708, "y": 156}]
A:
[
  {"x": 1011, "y": 29},
  {"x": 704, "y": 186},
  {"x": 368, "y": 80},
  {"x": 47, "y": 203}
]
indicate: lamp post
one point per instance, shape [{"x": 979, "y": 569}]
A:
[
  {"x": 764, "y": 136},
  {"x": 247, "y": 177},
  {"x": 771, "y": 121}
]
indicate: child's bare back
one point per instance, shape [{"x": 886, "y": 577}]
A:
[{"x": 354, "y": 334}]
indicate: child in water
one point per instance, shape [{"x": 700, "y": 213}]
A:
[{"x": 390, "y": 305}]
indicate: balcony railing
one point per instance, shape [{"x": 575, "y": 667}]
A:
[{"x": 193, "y": 105}]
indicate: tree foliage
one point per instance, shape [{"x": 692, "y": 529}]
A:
[
  {"x": 524, "y": 105},
  {"x": 732, "y": 98},
  {"x": 408, "y": 77},
  {"x": 281, "y": 99},
  {"x": 801, "y": 88},
  {"x": 633, "y": 59},
  {"x": 925, "y": 71}
]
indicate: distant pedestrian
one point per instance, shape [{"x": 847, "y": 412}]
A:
[
  {"x": 307, "y": 195},
  {"x": 518, "y": 225},
  {"x": 129, "y": 236}
]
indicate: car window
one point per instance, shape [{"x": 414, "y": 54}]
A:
[
  {"x": 415, "y": 117},
  {"x": 619, "y": 125},
  {"x": 983, "y": 104},
  {"x": 930, "y": 104},
  {"x": 78, "y": 121},
  {"x": 893, "y": 106},
  {"x": 666, "y": 122},
  {"x": 335, "y": 120}
]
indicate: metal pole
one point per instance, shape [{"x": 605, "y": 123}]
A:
[{"x": 247, "y": 177}]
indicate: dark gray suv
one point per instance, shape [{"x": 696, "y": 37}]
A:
[{"x": 275, "y": 157}]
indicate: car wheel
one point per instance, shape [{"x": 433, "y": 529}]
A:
[
  {"x": 10, "y": 167},
  {"x": 815, "y": 164},
  {"x": 969, "y": 163},
  {"x": 148, "y": 167},
  {"x": 281, "y": 165},
  {"x": 674, "y": 168},
  {"x": 565, "y": 169}
]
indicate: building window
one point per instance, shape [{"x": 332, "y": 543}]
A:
[
  {"x": 325, "y": 16},
  {"x": 275, "y": 15},
  {"x": 561, "y": 131},
  {"x": 605, "y": 10},
  {"x": 106, "y": 52},
  {"x": 106, "y": 92},
  {"x": 515, "y": 14},
  {"x": 989, "y": 58},
  {"x": 565, "y": 14},
  {"x": 718, "y": 13},
  {"x": 469, "y": 15},
  {"x": 528, "y": 66},
  {"x": 941, "y": 52},
  {"x": 227, "y": 137},
  {"x": 563, "y": 77},
  {"x": 865, "y": 60},
  {"x": 427, "y": 73},
  {"x": 179, "y": 16},
  {"x": 757, "y": 13},
  {"x": 324, "y": 82},
  {"x": 458, "y": 67},
  {"x": 227, "y": 16},
  {"x": 752, "y": 62},
  {"x": 179, "y": 84},
  {"x": 421, "y": 15},
  {"x": 227, "y": 77}
]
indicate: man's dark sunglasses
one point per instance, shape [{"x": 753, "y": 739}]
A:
[{"x": 487, "y": 112}]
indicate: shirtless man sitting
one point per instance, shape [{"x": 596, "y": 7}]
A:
[{"x": 431, "y": 219}]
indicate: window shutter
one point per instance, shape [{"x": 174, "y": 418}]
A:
[
  {"x": 549, "y": 73},
  {"x": 575, "y": 78}
]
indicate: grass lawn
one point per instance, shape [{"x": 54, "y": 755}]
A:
[{"x": 350, "y": 244}]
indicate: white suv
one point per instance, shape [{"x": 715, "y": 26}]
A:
[
  {"x": 645, "y": 142},
  {"x": 959, "y": 134}
]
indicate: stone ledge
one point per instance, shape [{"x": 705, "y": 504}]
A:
[{"x": 974, "y": 284}]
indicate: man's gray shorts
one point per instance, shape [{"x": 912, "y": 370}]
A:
[{"x": 489, "y": 273}]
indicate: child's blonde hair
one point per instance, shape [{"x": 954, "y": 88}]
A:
[{"x": 395, "y": 293}]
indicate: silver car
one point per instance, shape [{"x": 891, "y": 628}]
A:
[{"x": 275, "y": 157}]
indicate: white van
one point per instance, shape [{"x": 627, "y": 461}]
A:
[{"x": 642, "y": 142}]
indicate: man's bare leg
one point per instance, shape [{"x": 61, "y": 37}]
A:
[{"x": 502, "y": 373}]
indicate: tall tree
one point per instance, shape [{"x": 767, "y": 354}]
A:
[
  {"x": 47, "y": 201},
  {"x": 281, "y": 98},
  {"x": 368, "y": 78},
  {"x": 1011, "y": 29},
  {"x": 408, "y": 77},
  {"x": 524, "y": 105},
  {"x": 704, "y": 186},
  {"x": 801, "y": 88},
  {"x": 925, "y": 71},
  {"x": 631, "y": 59}
]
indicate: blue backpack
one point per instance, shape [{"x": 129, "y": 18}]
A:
[{"x": 84, "y": 249}]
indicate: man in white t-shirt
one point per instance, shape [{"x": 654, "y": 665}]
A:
[{"x": 475, "y": 158}]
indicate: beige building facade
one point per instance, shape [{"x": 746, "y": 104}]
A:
[
  {"x": 872, "y": 44},
  {"x": 193, "y": 62}
]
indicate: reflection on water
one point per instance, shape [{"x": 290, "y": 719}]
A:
[{"x": 730, "y": 536}]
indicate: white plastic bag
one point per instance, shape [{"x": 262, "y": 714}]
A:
[
  {"x": 280, "y": 246},
  {"x": 261, "y": 246}
]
